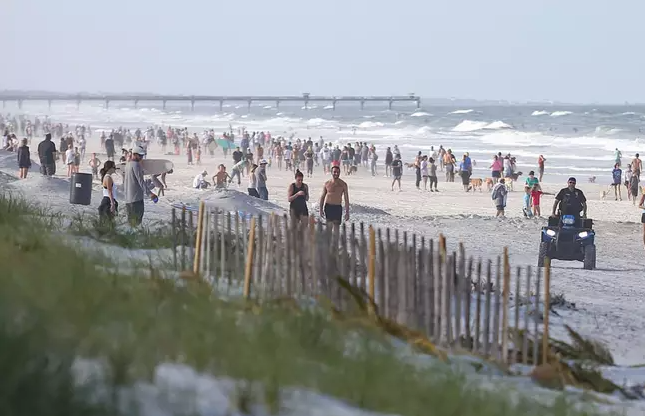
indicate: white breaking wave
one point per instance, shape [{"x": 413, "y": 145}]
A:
[
  {"x": 540, "y": 113},
  {"x": 560, "y": 113},
  {"x": 469, "y": 125},
  {"x": 328, "y": 107},
  {"x": 423, "y": 130},
  {"x": 370, "y": 124},
  {"x": 420, "y": 114},
  {"x": 607, "y": 130},
  {"x": 462, "y": 111}
]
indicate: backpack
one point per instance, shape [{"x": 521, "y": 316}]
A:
[{"x": 495, "y": 192}]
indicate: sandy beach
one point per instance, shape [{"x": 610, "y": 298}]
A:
[{"x": 609, "y": 299}]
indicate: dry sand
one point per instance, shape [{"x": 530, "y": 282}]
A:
[{"x": 610, "y": 299}]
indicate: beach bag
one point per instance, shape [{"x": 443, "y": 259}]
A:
[{"x": 494, "y": 194}]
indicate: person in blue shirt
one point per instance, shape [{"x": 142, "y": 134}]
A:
[
  {"x": 617, "y": 175},
  {"x": 526, "y": 207},
  {"x": 465, "y": 169}
]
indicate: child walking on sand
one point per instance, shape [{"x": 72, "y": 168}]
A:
[
  {"x": 526, "y": 204},
  {"x": 536, "y": 194},
  {"x": 94, "y": 163}
]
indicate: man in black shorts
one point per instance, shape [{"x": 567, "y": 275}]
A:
[
  {"x": 331, "y": 200},
  {"x": 571, "y": 200}
]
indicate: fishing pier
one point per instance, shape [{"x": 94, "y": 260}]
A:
[{"x": 305, "y": 98}]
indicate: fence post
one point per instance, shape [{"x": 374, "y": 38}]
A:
[
  {"x": 198, "y": 237},
  {"x": 505, "y": 294},
  {"x": 372, "y": 264},
  {"x": 174, "y": 238},
  {"x": 547, "y": 309},
  {"x": 525, "y": 333},
  {"x": 249, "y": 261}
]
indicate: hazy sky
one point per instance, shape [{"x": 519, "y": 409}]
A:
[{"x": 569, "y": 50}]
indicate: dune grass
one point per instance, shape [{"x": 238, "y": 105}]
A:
[{"x": 56, "y": 306}]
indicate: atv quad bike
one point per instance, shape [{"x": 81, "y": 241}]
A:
[{"x": 568, "y": 238}]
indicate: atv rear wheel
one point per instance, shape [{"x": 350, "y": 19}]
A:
[
  {"x": 589, "y": 262},
  {"x": 544, "y": 249}
]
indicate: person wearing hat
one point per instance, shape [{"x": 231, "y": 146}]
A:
[
  {"x": 253, "y": 181},
  {"x": 261, "y": 184},
  {"x": 571, "y": 201},
  {"x": 200, "y": 181},
  {"x": 134, "y": 187}
]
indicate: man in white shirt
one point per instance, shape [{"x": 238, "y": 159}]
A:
[{"x": 200, "y": 181}]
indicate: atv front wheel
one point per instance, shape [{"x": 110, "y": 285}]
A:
[
  {"x": 589, "y": 262},
  {"x": 544, "y": 249}
]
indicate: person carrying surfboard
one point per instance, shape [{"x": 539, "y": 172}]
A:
[{"x": 135, "y": 187}]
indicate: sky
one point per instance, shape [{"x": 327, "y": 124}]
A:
[{"x": 579, "y": 51}]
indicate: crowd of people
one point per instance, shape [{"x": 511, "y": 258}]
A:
[{"x": 253, "y": 154}]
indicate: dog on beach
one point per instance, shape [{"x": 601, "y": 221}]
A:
[
  {"x": 605, "y": 193},
  {"x": 592, "y": 179},
  {"x": 510, "y": 179},
  {"x": 352, "y": 170},
  {"x": 490, "y": 183},
  {"x": 476, "y": 183}
]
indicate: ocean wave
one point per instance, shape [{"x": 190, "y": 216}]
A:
[
  {"x": 423, "y": 130},
  {"x": 370, "y": 124},
  {"x": 462, "y": 111},
  {"x": 607, "y": 130},
  {"x": 540, "y": 113},
  {"x": 469, "y": 125},
  {"x": 560, "y": 113},
  {"x": 420, "y": 114}
]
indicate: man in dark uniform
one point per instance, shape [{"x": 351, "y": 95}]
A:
[{"x": 571, "y": 201}]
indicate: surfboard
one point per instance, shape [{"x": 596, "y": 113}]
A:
[
  {"x": 225, "y": 144},
  {"x": 153, "y": 166}
]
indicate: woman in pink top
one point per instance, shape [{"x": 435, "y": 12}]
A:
[{"x": 496, "y": 167}]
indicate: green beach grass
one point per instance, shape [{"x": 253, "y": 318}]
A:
[{"x": 56, "y": 306}]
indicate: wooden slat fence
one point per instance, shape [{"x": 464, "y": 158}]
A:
[{"x": 482, "y": 306}]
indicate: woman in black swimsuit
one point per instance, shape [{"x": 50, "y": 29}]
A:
[{"x": 298, "y": 195}]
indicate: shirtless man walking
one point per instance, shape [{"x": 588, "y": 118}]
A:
[
  {"x": 637, "y": 166},
  {"x": 331, "y": 200}
]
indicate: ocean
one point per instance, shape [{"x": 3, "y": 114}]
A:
[{"x": 575, "y": 140}]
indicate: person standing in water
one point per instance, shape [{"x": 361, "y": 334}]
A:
[
  {"x": 109, "y": 206},
  {"x": 298, "y": 195},
  {"x": 135, "y": 187},
  {"x": 331, "y": 200},
  {"x": 617, "y": 157}
]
